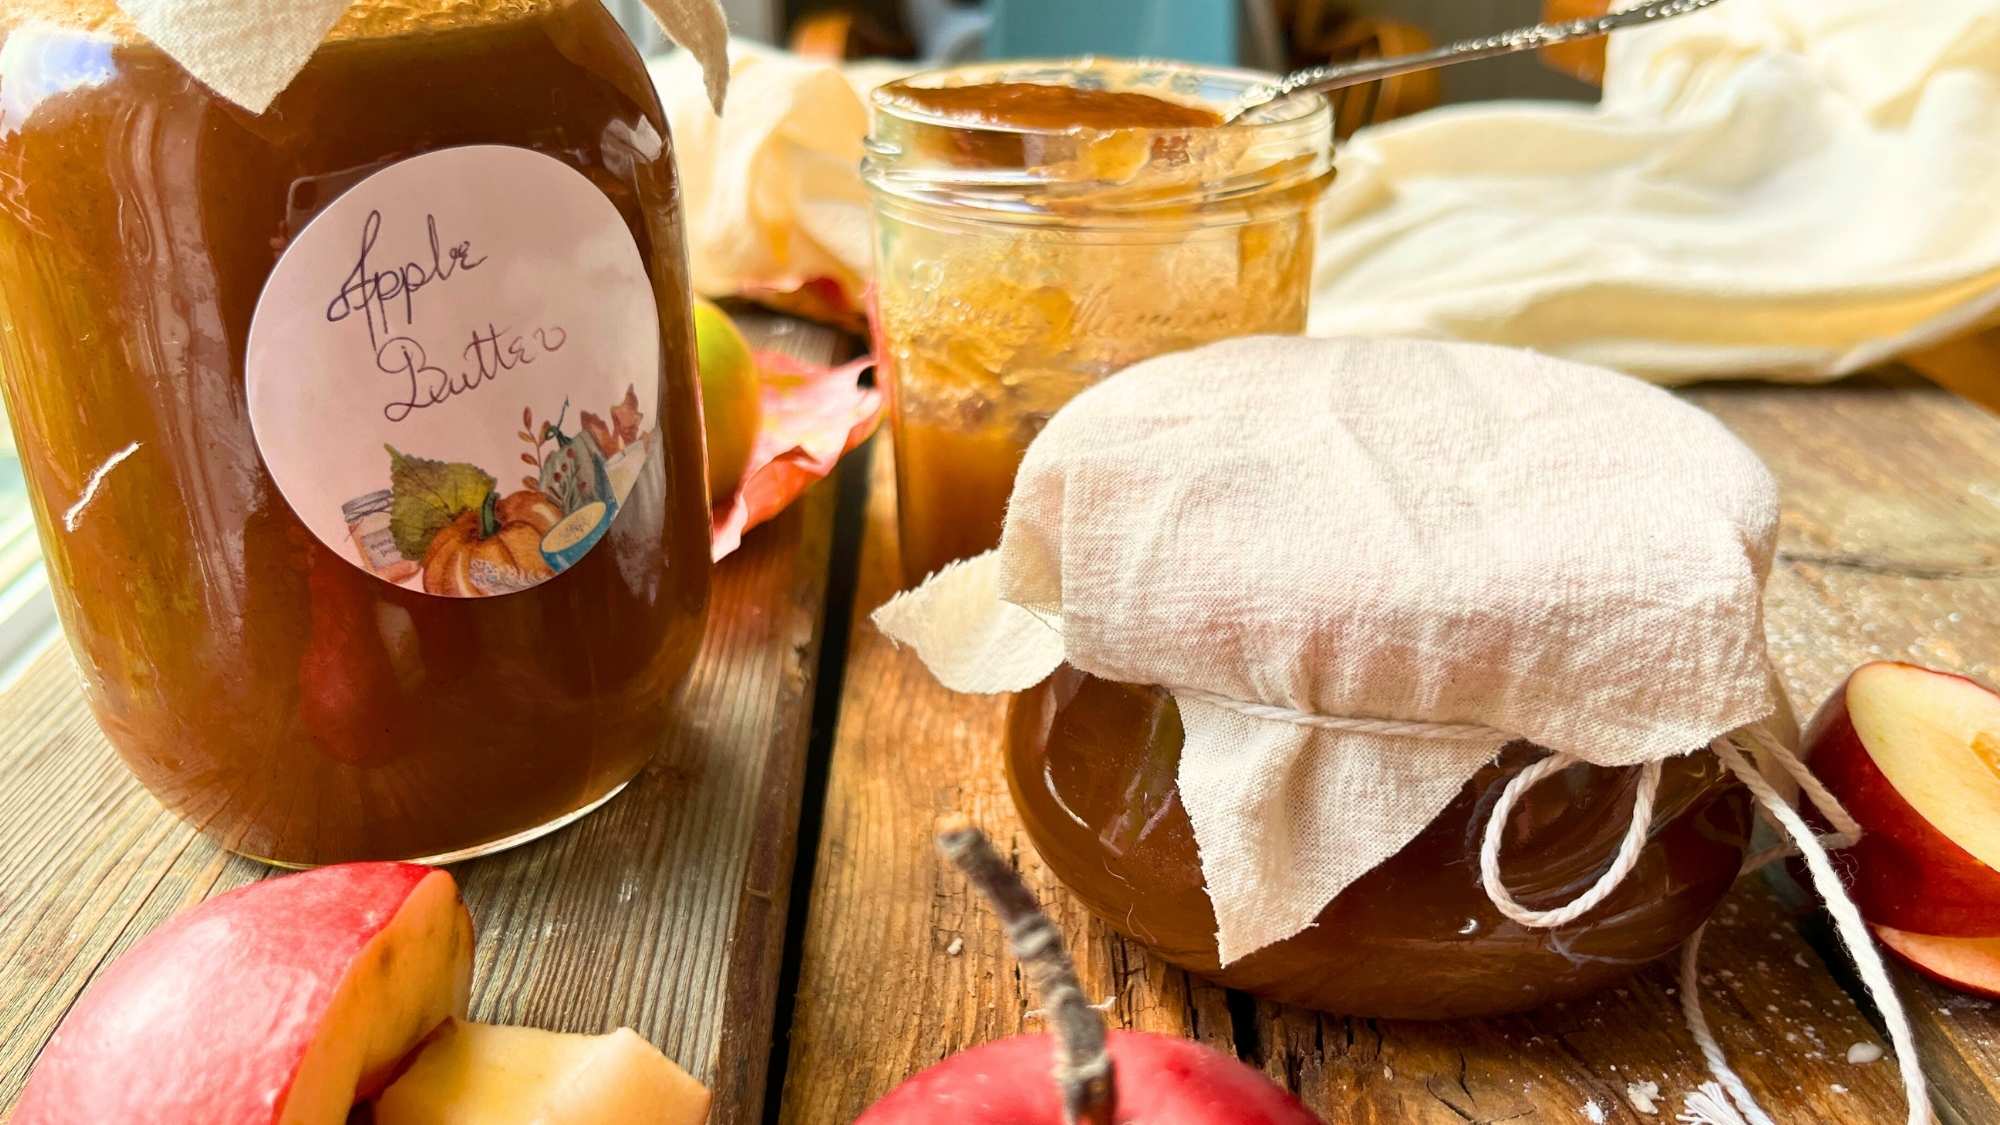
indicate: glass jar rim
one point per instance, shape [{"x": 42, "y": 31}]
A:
[
  {"x": 1295, "y": 111},
  {"x": 1290, "y": 141}
]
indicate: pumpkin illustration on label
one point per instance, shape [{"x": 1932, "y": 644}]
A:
[
  {"x": 469, "y": 541},
  {"x": 479, "y": 554}
]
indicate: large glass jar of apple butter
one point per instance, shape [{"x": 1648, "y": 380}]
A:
[
  {"x": 1092, "y": 768},
  {"x": 362, "y": 432}
]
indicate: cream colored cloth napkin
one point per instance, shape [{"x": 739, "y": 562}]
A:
[
  {"x": 1790, "y": 188},
  {"x": 248, "y": 51},
  {"x": 773, "y": 187},
  {"x": 1370, "y": 529}
]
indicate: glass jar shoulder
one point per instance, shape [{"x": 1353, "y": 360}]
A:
[{"x": 1092, "y": 766}]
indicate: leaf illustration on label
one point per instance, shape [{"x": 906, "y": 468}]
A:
[
  {"x": 600, "y": 432},
  {"x": 625, "y": 417},
  {"x": 427, "y": 495}
]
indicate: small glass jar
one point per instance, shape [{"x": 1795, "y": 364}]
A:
[
  {"x": 1092, "y": 766},
  {"x": 314, "y": 692},
  {"x": 1023, "y": 255}
]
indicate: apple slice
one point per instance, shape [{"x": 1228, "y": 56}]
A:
[
  {"x": 1914, "y": 755},
  {"x": 278, "y": 1003},
  {"x": 1969, "y": 965},
  {"x": 480, "y": 1074}
]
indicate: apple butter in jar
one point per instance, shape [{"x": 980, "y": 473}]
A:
[
  {"x": 1040, "y": 226},
  {"x": 1092, "y": 766},
  {"x": 363, "y": 431}
]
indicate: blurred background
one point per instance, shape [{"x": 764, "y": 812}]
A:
[{"x": 1266, "y": 34}]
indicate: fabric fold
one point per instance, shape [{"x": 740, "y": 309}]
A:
[{"x": 248, "y": 51}]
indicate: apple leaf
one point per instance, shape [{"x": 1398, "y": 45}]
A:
[{"x": 426, "y": 495}]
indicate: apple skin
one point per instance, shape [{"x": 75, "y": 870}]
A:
[
  {"x": 1968, "y": 965},
  {"x": 215, "y": 1017},
  {"x": 1904, "y": 873},
  {"x": 1161, "y": 1081}
]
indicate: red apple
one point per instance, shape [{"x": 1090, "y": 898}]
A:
[
  {"x": 1914, "y": 755},
  {"x": 276, "y": 1004},
  {"x": 1966, "y": 964},
  {"x": 1080, "y": 1075},
  {"x": 1160, "y": 1081}
]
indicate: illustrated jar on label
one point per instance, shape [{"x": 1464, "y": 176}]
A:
[{"x": 363, "y": 431}]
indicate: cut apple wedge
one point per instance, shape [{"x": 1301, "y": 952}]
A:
[
  {"x": 281, "y": 1003},
  {"x": 480, "y": 1074},
  {"x": 1969, "y": 965},
  {"x": 1914, "y": 755}
]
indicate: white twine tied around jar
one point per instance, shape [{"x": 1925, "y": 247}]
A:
[{"x": 1771, "y": 804}]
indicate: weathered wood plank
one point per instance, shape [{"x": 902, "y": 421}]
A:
[
  {"x": 1777, "y": 1010},
  {"x": 664, "y": 911},
  {"x": 1890, "y": 533},
  {"x": 1890, "y": 549},
  {"x": 902, "y": 964}
]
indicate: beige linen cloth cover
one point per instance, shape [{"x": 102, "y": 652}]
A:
[
  {"x": 1793, "y": 188},
  {"x": 1378, "y": 529},
  {"x": 248, "y": 51}
]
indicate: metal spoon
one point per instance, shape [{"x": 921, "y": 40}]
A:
[{"x": 1341, "y": 75}]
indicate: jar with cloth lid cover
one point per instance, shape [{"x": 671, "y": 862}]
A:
[{"x": 1092, "y": 766}]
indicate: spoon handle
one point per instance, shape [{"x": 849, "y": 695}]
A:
[{"x": 1341, "y": 75}]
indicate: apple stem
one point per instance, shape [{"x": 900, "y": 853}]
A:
[{"x": 1083, "y": 1064}]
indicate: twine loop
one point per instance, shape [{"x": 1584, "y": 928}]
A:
[{"x": 1735, "y": 750}]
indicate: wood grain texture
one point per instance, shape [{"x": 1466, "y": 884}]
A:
[
  {"x": 1890, "y": 547},
  {"x": 1776, "y": 1008},
  {"x": 902, "y": 963},
  {"x": 1890, "y": 550},
  {"x": 663, "y": 911}
]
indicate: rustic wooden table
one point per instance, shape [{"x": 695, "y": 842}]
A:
[{"x": 765, "y": 904}]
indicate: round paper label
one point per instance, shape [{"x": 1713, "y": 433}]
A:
[{"x": 450, "y": 371}]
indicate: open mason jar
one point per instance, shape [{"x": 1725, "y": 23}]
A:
[
  {"x": 1092, "y": 766},
  {"x": 1038, "y": 229},
  {"x": 363, "y": 432}
]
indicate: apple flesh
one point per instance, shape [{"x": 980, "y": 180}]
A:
[
  {"x": 281, "y": 1003},
  {"x": 1159, "y": 1081},
  {"x": 481, "y": 1074},
  {"x": 1914, "y": 756},
  {"x": 1967, "y": 964}
]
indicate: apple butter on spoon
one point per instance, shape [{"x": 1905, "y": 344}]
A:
[{"x": 1037, "y": 105}]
